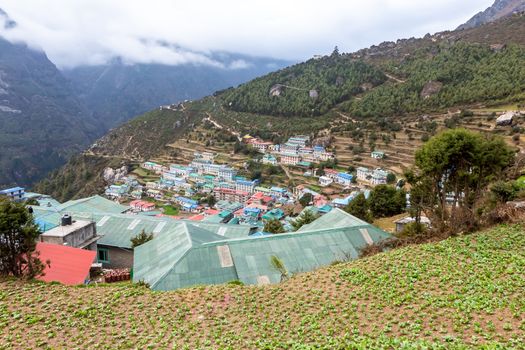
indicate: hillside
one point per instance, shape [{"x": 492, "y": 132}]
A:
[
  {"x": 42, "y": 123},
  {"x": 500, "y": 9},
  {"x": 389, "y": 97},
  {"x": 465, "y": 292}
]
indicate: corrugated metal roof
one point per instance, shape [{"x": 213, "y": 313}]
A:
[
  {"x": 179, "y": 258},
  {"x": 339, "y": 237},
  {"x": 67, "y": 265},
  {"x": 336, "y": 218},
  {"x": 118, "y": 229},
  {"x": 93, "y": 204}
]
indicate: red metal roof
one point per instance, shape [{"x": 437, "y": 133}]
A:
[{"x": 67, "y": 265}]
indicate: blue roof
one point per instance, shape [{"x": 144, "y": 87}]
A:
[
  {"x": 247, "y": 182},
  {"x": 13, "y": 189},
  {"x": 278, "y": 189},
  {"x": 346, "y": 176},
  {"x": 343, "y": 201},
  {"x": 187, "y": 200},
  {"x": 318, "y": 148}
]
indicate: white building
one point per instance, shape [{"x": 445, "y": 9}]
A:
[
  {"x": 363, "y": 173},
  {"x": 379, "y": 177},
  {"x": 325, "y": 181}
]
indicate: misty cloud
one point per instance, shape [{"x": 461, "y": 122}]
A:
[{"x": 77, "y": 32}]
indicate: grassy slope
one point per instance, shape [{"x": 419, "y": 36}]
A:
[{"x": 458, "y": 293}]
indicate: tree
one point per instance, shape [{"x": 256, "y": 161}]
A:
[
  {"x": 273, "y": 226},
  {"x": 386, "y": 201},
  {"x": 141, "y": 238},
  {"x": 278, "y": 265},
  {"x": 453, "y": 171},
  {"x": 358, "y": 207},
  {"x": 306, "y": 199},
  {"x": 335, "y": 53},
  {"x": 18, "y": 237},
  {"x": 390, "y": 178},
  {"x": 306, "y": 217}
]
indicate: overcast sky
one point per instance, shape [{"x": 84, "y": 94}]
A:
[{"x": 75, "y": 32}]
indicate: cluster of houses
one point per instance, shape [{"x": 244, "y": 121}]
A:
[
  {"x": 297, "y": 151},
  {"x": 212, "y": 248}
]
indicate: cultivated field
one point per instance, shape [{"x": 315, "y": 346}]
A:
[{"x": 461, "y": 293}]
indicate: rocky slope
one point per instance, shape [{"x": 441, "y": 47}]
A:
[{"x": 500, "y": 9}]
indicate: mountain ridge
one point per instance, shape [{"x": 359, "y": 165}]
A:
[{"x": 500, "y": 9}]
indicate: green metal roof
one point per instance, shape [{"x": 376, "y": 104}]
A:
[
  {"x": 248, "y": 258},
  {"x": 93, "y": 204},
  {"x": 170, "y": 261},
  {"x": 336, "y": 218},
  {"x": 118, "y": 229}
]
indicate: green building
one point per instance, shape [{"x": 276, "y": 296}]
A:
[{"x": 191, "y": 255}]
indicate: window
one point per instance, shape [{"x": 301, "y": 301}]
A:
[{"x": 103, "y": 255}]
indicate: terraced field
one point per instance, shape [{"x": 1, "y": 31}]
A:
[{"x": 465, "y": 292}]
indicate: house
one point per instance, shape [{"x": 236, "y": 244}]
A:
[
  {"x": 246, "y": 186},
  {"x": 260, "y": 145},
  {"x": 300, "y": 140},
  {"x": 227, "y": 205},
  {"x": 274, "y": 214},
  {"x": 342, "y": 202},
  {"x": 377, "y": 154},
  {"x": 379, "y": 177},
  {"x": 363, "y": 173},
  {"x": 157, "y": 168},
  {"x": 304, "y": 164},
  {"x": 177, "y": 170},
  {"x": 206, "y": 156},
  {"x": 247, "y": 138},
  {"x": 277, "y": 191},
  {"x": 269, "y": 159},
  {"x": 325, "y": 181},
  {"x": 331, "y": 173},
  {"x": 154, "y": 193},
  {"x": 231, "y": 195},
  {"x": 142, "y": 205},
  {"x": 72, "y": 233},
  {"x": 320, "y": 153},
  {"x": 137, "y": 194},
  {"x": 505, "y": 119},
  {"x": 187, "y": 204},
  {"x": 401, "y": 223},
  {"x": 221, "y": 218},
  {"x": 116, "y": 191},
  {"x": 15, "y": 193},
  {"x": 290, "y": 158},
  {"x": 190, "y": 255},
  {"x": 344, "y": 179},
  {"x": 68, "y": 265}
]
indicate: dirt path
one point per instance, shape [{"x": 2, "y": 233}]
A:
[
  {"x": 219, "y": 126},
  {"x": 390, "y": 76}
]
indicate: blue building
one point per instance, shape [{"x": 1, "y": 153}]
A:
[{"x": 16, "y": 193}]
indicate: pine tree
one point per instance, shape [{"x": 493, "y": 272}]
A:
[
  {"x": 18, "y": 237},
  {"x": 141, "y": 238},
  {"x": 273, "y": 226},
  {"x": 305, "y": 218}
]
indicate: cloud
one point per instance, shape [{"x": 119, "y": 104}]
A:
[{"x": 76, "y": 32}]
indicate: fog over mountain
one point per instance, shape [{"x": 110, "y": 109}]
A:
[{"x": 178, "y": 32}]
